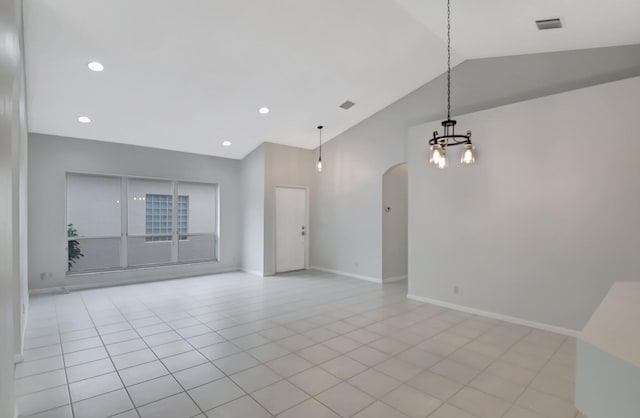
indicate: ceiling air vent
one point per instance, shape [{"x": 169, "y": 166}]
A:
[
  {"x": 347, "y": 105},
  {"x": 549, "y": 24}
]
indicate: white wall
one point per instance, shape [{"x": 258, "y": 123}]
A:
[
  {"x": 285, "y": 166},
  {"x": 12, "y": 219},
  {"x": 346, "y": 198},
  {"x": 252, "y": 185},
  {"x": 50, "y": 158},
  {"x": 395, "y": 190},
  {"x": 7, "y": 296},
  {"x": 545, "y": 221},
  {"x": 20, "y": 175},
  {"x": 346, "y": 221}
]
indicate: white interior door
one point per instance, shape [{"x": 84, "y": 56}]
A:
[{"x": 291, "y": 228}]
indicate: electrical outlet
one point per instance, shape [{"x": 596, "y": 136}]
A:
[
  {"x": 456, "y": 290},
  {"x": 43, "y": 276}
]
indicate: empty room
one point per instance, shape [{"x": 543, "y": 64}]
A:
[{"x": 319, "y": 209}]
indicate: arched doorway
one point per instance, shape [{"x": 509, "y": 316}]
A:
[{"x": 394, "y": 223}]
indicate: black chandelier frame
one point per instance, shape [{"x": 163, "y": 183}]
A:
[{"x": 449, "y": 136}]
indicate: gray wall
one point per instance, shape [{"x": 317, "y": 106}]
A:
[
  {"x": 252, "y": 186},
  {"x": 545, "y": 221},
  {"x": 285, "y": 166},
  {"x": 50, "y": 158},
  {"x": 13, "y": 221},
  {"x": 395, "y": 190},
  {"x": 346, "y": 216}
]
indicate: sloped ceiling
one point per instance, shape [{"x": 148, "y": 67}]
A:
[{"x": 189, "y": 75}]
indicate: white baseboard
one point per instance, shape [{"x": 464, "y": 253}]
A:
[
  {"x": 56, "y": 290},
  {"x": 45, "y": 291},
  {"x": 506, "y": 318},
  {"x": 395, "y": 279},
  {"x": 23, "y": 331},
  {"x": 253, "y": 272},
  {"x": 344, "y": 273}
]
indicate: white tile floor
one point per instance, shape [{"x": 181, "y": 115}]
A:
[{"x": 306, "y": 345}]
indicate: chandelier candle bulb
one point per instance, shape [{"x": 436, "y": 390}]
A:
[
  {"x": 436, "y": 153},
  {"x": 443, "y": 162},
  {"x": 468, "y": 155}
]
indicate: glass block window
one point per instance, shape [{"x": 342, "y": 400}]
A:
[
  {"x": 183, "y": 216},
  {"x": 159, "y": 216}
]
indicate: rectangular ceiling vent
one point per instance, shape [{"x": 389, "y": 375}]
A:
[
  {"x": 549, "y": 24},
  {"x": 347, "y": 105}
]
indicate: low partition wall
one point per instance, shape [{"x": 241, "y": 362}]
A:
[{"x": 608, "y": 357}]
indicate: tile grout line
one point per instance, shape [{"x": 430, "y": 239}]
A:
[
  {"x": 367, "y": 367},
  {"x": 538, "y": 374},
  {"x": 155, "y": 355},
  {"x": 257, "y": 312},
  {"x": 159, "y": 359},
  {"x": 110, "y": 359},
  {"x": 485, "y": 369},
  {"x": 338, "y": 319},
  {"x": 64, "y": 364},
  {"x": 429, "y": 369},
  {"x": 63, "y": 368}
]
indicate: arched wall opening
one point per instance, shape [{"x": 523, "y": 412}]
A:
[{"x": 394, "y": 223}]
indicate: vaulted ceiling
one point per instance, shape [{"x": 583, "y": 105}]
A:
[{"x": 187, "y": 75}]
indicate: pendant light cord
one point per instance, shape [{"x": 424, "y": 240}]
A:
[
  {"x": 448, "y": 59},
  {"x": 320, "y": 153}
]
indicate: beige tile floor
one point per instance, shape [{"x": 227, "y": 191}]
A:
[{"x": 304, "y": 345}]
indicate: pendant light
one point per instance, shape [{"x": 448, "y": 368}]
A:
[
  {"x": 439, "y": 143},
  {"x": 319, "y": 162}
]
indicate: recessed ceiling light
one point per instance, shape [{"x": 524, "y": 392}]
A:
[
  {"x": 95, "y": 66},
  {"x": 226, "y": 143},
  {"x": 264, "y": 110},
  {"x": 84, "y": 119}
]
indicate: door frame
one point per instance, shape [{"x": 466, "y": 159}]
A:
[{"x": 275, "y": 224}]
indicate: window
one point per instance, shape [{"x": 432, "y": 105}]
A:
[
  {"x": 159, "y": 213},
  {"x": 94, "y": 222},
  {"x": 122, "y": 222},
  {"x": 183, "y": 216}
]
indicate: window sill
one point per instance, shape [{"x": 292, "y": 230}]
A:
[{"x": 150, "y": 267}]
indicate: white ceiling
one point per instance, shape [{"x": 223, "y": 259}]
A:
[
  {"x": 186, "y": 75},
  {"x": 495, "y": 28}
]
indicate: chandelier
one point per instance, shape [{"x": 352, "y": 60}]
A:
[{"x": 439, "y": 143}]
